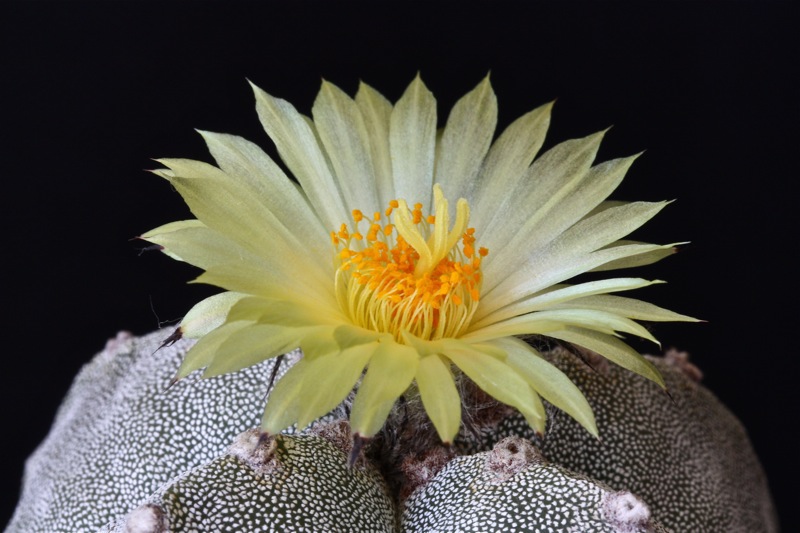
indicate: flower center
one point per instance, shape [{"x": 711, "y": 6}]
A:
[{"x": 415, "y": 274}]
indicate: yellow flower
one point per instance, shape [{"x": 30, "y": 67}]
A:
[{"x": 366, "y": 264}]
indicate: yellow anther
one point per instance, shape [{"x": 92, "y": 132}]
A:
[
  {"x": 483, "y": 251},
  {"x": 411, "y": 274}
]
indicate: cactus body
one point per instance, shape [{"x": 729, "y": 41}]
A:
[{"x": 126, "y": 455}]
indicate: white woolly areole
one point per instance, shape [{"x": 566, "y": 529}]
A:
[
  {"x": 256, "y": 452},
  {"x": 146, "y": 519},
  {"x": 625, "y": 511}
]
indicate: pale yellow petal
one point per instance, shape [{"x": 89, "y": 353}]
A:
[
  {"x": 329, "y": 379},
  {"x": 265, "y": 180},
  {"x": 548, "y": 182},
  {"x": 646, "y": 258},
  {"x": 284, "y": 403},
  {"x": 439, "y": 396},
  {"x": 227, "y": 207},
  {"x": 298, "y": 147},
  {"x": 612, "y": 349},
  {"x": 343, "y": 133},
  {"x": 544, "y": 322},
  {"x": 412, "y": 138},
  {"x": 548, "y": 380},
  {"x": 377, "y": 113},
  {"x": 208, "y": 314},
  {"x": 203, "y": 352},
  {"x": 155, "y": 233},
  {"x": 507, "y": 162},
  {"x": 252, "y": 345},
  {"x": 549, "y": 298},
  {"x": 577, "y": 250},
  {"x": 499, "y": 380},
  {"x": 233, "y": 267},
  {"x": 390, "y": 372},
  {"x": 550, "y": 220},
  {"x": 284, "y": 313},
  {"x": 627, "y": 307},
  {"x": 466, "y": 139}
]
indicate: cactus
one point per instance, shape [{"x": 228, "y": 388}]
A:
[{"x": 126, "y": 455}]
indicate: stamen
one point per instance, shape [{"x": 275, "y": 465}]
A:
[{"x": 415, "y": 274}]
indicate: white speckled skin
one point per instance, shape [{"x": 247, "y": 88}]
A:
[{"x": 126, "y": 454}]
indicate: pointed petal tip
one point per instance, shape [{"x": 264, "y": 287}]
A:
[
  {"x": 172, "y": 382},
  {"x": 355, "y": 451},
  {"x": 263, "y": 437}
]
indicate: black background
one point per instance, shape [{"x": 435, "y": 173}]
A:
[{"x": 92, "y": 91}]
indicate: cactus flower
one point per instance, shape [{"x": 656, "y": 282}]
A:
[{"x": 400, "y": 256}]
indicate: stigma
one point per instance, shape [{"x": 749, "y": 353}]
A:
[{"x": 401, "y": 270}]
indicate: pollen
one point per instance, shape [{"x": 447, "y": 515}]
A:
[{"x": 409, "y": 271}]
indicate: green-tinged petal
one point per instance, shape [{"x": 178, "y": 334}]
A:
[
  {"x": 612, "y": 349},
  {"x": 548, "y": 381},
  {"x": 412, "y": 137},
  {"x": 343, "y": 133},
  {"x": 550, "y": 220},
  {"x": 627, "y": 307},
  {"x": 549, "y": 181},
  {"x": 202, "y": 353},
  {"x": 329, "y": 379},
  {"x": 319, "y": 343},
  {"x": 284, "y": 401},
  {"x": 550, "y": 298},
  {"x": 297, "y": 145},
  {"x": 347, "y": 336},
  {"x": 265, "y": 179},
  {"x": 498, "y": 379},
  {"x": 225, "y": 206},
  {"x": 154, "y": 234},
  {"x": 208, "y": 314},
  {"x": 577, "y": 250},
  {"x": 236, "y": 268},
  {"x": 646, "y": 258},
  {"x": 507, "y": 162},
  {"x": 252, "y": 345},
  {"x": 439, "y": 396},
  {"x": 390, "y": 372},
  {"x": 542, "y": 322},
  {"x": 466, "y": 139},
  {"x": 377, "y": 113},
  {"x": 598, "y": 231},
  {"x": 283, "y": 313}
]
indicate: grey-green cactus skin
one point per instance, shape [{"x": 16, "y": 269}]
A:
[
  {"x": 513, "y": 488},
  {"x": 301, "y": 483},
  {"x": 683, "y": 452},
  {"x": 126, "y": 454}
]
